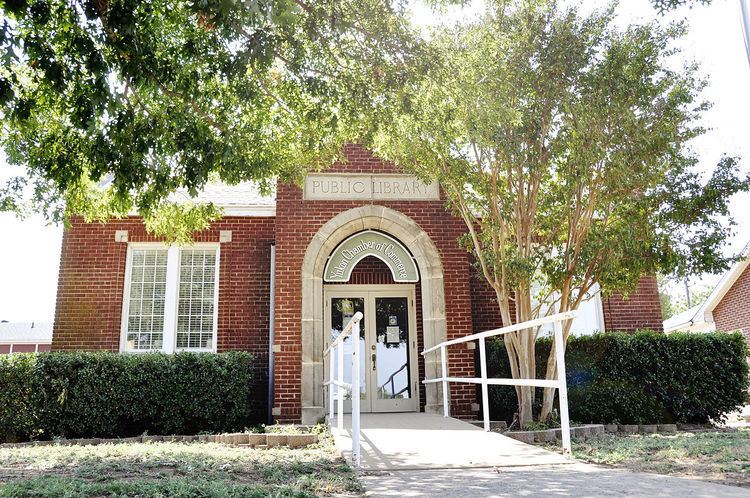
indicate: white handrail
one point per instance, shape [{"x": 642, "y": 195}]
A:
[
  {"x": 505, "y": 330},
  {"x": 560, "y": 383},
  {"x": 336, "y": 378},
  {"x": 344, "y": 333}
]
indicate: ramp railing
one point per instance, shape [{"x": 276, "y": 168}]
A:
[
  {"x": 338, "y": 388},
  {"x": 560, "y": 384}
]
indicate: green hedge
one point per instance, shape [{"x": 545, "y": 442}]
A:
[
  {"x": 47, "y": 395},
  {"x": 646, "y": 377}
]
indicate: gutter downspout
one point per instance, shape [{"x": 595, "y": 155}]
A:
[{"x": 271, "y": 324}]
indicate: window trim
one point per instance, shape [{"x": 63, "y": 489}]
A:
[{"x": 171, "y": 297}]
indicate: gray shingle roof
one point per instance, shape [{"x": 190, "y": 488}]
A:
[
  {"x": 242, "y": 194},
  {"x": 25, "y": 332}
]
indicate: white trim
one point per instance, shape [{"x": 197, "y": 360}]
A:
[
  {"x": 355, "y": 261},
  {"x": 171, "y": 296},
  {"x": 170, "y": 300}
]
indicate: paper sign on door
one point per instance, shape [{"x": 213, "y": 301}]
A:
[{"x": 393, "y": 334}]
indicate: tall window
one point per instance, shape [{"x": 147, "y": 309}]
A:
[
  {"x": 195, "y": 311},
  {"x": 148, "y": 283},
  {"x": 170, "y": 299}
]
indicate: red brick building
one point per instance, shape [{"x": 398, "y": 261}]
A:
[
  {"x": 727, "y": 308},
  {"x": 279, "y": 277}
]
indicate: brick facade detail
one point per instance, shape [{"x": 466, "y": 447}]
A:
[
  {"x": 92, "y": 274},
  {"x": 733, "y": 313},
  {"x": 298, "y": 220},
  {"x": 639, "y": 310}
]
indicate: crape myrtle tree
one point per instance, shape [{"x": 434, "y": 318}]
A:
[
  {"x": 111, "y": 105},
  {"x": 563, "y": 143}
]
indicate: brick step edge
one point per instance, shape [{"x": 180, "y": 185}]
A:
[
  {"x": 243, "y": 440},
  {"x": 587, "y": 431}
]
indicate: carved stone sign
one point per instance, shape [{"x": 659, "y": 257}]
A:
[
  {"x": 366, "y": 187},
  {"x": 370, "y": 243}
]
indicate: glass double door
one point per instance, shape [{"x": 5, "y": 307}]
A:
[{"x": 388, "y": 380}]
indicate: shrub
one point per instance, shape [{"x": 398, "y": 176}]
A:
[
  {"x": 115, "y": 395},
  {"x": 646, "y": 377}
]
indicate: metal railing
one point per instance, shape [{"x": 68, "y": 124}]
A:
[
  {"x": 336, "y": 379},
  {"x": 560, "y": 383},
  {"x": 391, "y": 381}
]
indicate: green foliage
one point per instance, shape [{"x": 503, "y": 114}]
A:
[
  {"x": 666, "y": 5},
  {"x": 110, "y": 395},
  {"x": 566, "y": 142},
  {"x": 646, "y": 377},
  {"x": 140, "y": 98},
  {"x": 673, "y": 300}
]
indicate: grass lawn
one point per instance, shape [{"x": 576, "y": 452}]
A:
[
  {"x": 174, "y": 469},
  {"x": 721, "y": 457}
]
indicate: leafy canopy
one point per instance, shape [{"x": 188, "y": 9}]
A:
[
  {"x": 146, "y": 97},
  {"x": 563, "y": 143},
  {"x": 566, "y": 143}
]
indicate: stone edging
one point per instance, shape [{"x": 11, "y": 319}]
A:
[
  {"x": 252, "y": 440},
  {"x": 592, "y": 430}
]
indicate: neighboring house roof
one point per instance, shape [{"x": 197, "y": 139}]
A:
[
  {"x": 684, "y": 322},
  {"x": 243, "y": 199},
  {"x": 702, "y": 317},
  {"x": 25, "y": 333}
]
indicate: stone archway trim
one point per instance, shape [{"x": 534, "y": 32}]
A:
[{"x": 314, "y": 339}]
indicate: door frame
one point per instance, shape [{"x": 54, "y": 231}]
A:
[{"x": 369, "y": 293}]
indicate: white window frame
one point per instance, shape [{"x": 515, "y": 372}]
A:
[{"x": 171, "y": 297}]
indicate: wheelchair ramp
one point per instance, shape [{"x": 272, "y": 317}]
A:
[{"x": 411, "y": 441}]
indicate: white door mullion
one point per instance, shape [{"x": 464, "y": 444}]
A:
[{"x": 170, "y": 299}]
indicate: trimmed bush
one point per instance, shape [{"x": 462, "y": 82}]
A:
[
  {"x": 102, "y": 394},
  {"x": 641, "y": 378}
]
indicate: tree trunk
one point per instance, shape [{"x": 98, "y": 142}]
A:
[
  {"x": 526, "y": 353},
  {"x": 548, "y": 399}
]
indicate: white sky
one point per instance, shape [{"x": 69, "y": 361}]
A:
[{"x": 30, "y": 250}]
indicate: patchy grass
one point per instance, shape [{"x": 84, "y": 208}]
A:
[
  {"x": 174, "y": 469},
  {"x": 722, "y": 457}
]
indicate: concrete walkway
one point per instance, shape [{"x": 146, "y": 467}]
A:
[
  {"x": 419, "y": 454},
  {"x": 578, "y": 479},
  {"x": 412, "y": 441}
]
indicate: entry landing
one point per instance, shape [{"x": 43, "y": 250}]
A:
[{"x": 412, "y": 441}]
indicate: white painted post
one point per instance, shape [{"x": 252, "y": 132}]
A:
[
  {"x": 562, "y": 388},
  {"x": 340, "y": 390},
  {"x": 446, "y": 408},
  {"x": 355, "y": 393},
  {"x": 485, "y": 394},
  {"x": 331, "y": 376}
]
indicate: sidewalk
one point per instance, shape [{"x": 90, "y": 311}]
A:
[
  {"x": 411, "y": 441},
  {"x": 578, "y": 479}
]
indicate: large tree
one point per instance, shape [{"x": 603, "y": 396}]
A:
[
  {"x": 563, "y": 143},
  {"x": 114, "y": 104}
]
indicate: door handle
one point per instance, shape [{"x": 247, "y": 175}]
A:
[{"x": 372, "y": 357}]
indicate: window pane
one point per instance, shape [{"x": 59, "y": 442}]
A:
[
  {"x": 195, "y": 306},
  {"x": 148, "y": 277}
]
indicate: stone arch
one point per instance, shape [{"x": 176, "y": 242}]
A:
[{"x": 314, "y": 339}]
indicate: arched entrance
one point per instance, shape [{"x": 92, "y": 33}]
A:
[{"x": 325, "y": 241}]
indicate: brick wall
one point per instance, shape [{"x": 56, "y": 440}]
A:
[
  {"x": 733, "y": 311},
  {"x": 297, "y": 221},
  {"x": 92, "y": 273},
  {"x": 640, "y": 310}
]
